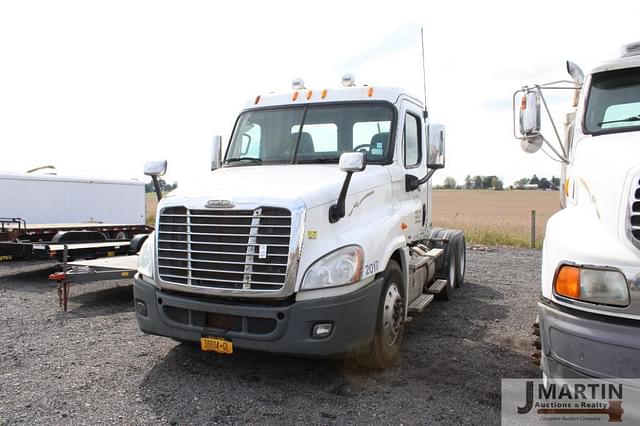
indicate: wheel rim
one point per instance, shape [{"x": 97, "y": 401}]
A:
[{"x": 392, "y": 315}]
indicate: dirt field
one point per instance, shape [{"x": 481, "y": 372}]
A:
[{"x": 495, "y": 217}]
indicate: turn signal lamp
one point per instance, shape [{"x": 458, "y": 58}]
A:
[
  {"x": 599, "y": 286},
  {"x": 568, "y": 282}
]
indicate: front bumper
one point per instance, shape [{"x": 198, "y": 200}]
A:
[
  {"x": 265, "y": 327},
  {"x": 581, "y": 345}
]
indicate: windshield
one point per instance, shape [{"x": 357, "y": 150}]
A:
[
  {"x": 312, "y": 134},
  {"x": 614, "y": 102}
]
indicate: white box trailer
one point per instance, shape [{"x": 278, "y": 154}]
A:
[
  {"x": 53, "y": 199},
  {"x": 39, "y": 214}
]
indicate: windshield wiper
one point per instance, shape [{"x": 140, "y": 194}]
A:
[
  {"x": 252, "y": 159},
  {"x": 632, "y": 118},
  {"x": 316, "y": 160}
]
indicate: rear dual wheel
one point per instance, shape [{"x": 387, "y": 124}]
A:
[{"x": 455, "y": 265}]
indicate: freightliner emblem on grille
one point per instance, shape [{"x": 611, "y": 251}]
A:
[{"x": 217, "y": 204}]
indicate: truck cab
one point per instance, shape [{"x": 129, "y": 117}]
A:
[
  {"x": 311, "y": 236},
  {"x": 589, "y": 313}
]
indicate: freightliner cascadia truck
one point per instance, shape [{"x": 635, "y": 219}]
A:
[
  {"x": 312, "y": 235},
  {"x": 589, "y": 314}
]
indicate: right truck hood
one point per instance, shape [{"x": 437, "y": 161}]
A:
[{"x": 604, "y": 169}]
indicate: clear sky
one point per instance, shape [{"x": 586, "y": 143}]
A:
[{"x": 99, "y": 87}]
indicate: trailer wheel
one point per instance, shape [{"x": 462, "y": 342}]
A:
[{"x": 385, "y": 348}]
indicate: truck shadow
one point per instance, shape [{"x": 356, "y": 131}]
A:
[
  {"x": 451, "y": 359},
  {"x": 106, "y": 301}
]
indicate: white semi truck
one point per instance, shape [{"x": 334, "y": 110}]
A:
[
  {"x": 312, "y": 235},
  {"x": 589, "y": 314}
]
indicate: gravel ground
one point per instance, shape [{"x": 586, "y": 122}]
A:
[{"x": 92, "y": 365}]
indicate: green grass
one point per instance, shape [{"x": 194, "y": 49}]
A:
[{"x": 492, "y": 235}]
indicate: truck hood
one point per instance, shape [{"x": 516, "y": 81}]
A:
[
  {"x": 603, "y": 171},
  {"x": 313, "y": 184}
]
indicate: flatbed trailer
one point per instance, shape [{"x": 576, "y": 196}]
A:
[
  {"x": 20, "y": 240},
  {"x": 87, "y": 271}
]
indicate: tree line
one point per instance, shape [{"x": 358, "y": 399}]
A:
[
  {"x": 495, "y": 183},
  {"x": 476, "y": 182}
]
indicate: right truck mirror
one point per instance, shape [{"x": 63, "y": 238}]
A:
[
  {"x": 530, "y": 114},
  {"x": 435, "y": 156}
]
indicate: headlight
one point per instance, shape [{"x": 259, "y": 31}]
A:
[
  {"x": 604, "y": 286},
  {"x": 343, "y": 266},
  {"x": 145, "y": 257}
]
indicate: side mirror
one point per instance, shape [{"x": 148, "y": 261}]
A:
[
  {"x": 352, "y": 162},
  {"x": 155, "y": 168},
  {"x": 435, "y": 156},
  {"x": 530, "y": 114},
  {"x": 216, "y": 153}
]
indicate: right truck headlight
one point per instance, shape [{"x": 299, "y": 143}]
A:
[
  {"x": 145, "y": 257},
  {"x": 343, "y": 266},
  {"x": 589, "y": 284}
]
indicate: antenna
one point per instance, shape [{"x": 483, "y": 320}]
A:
[{"x": 424, "y": 75}]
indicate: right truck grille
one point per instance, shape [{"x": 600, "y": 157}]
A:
[
  {"x": 224, "y": 248},
  {"x": 634, "y": 217}
]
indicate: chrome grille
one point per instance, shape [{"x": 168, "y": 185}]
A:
[
  {"x": 224, "y": 249},
  {"x": 634, "y": 212}
]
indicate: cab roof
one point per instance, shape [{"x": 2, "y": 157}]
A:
[
  {"x": 329, "y": 95},
  {"x": 618, "y": 64},
  {"x": 629, "y": 58}
]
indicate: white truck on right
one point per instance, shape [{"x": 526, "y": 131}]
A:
[{"x": 589, "y": 312}]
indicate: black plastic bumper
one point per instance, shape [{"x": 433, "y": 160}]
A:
[
  {"x": 282, "y": 329},
  {"x": 577, "y": 345}
]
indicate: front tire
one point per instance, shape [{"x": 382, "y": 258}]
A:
[{"x": 387, "y": 342}]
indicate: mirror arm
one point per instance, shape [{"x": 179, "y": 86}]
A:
[
  {"x": 555, "y": 129},
  {"x": 411, "y": 182},
  {"x": 427, "y": 176},
  {"x": 156, "y": 185},
  {"x": 562, "y": 156},
  {"x": 337, "y": 211}
]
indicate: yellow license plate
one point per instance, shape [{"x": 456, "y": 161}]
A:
[{"x": 213, "y": 344}]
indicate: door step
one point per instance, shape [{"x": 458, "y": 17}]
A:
[
  {"x": 437, "y": 287},
  {"x": 420, "y": 303}
]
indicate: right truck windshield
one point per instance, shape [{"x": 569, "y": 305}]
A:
[{"x": 614, "y": 102}]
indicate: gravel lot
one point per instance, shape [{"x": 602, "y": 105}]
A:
[{"x": 92, "y": 365}]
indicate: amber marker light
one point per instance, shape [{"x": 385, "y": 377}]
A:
[
  {"x": 567, "y": 282},
  {"x": 323, "y": 94},
  {"x": 370, "y": 92},
  {"x": 257, "y": 100},
  {"x": 295, "y": 96},
  {"x": 309, "y": 94}
]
